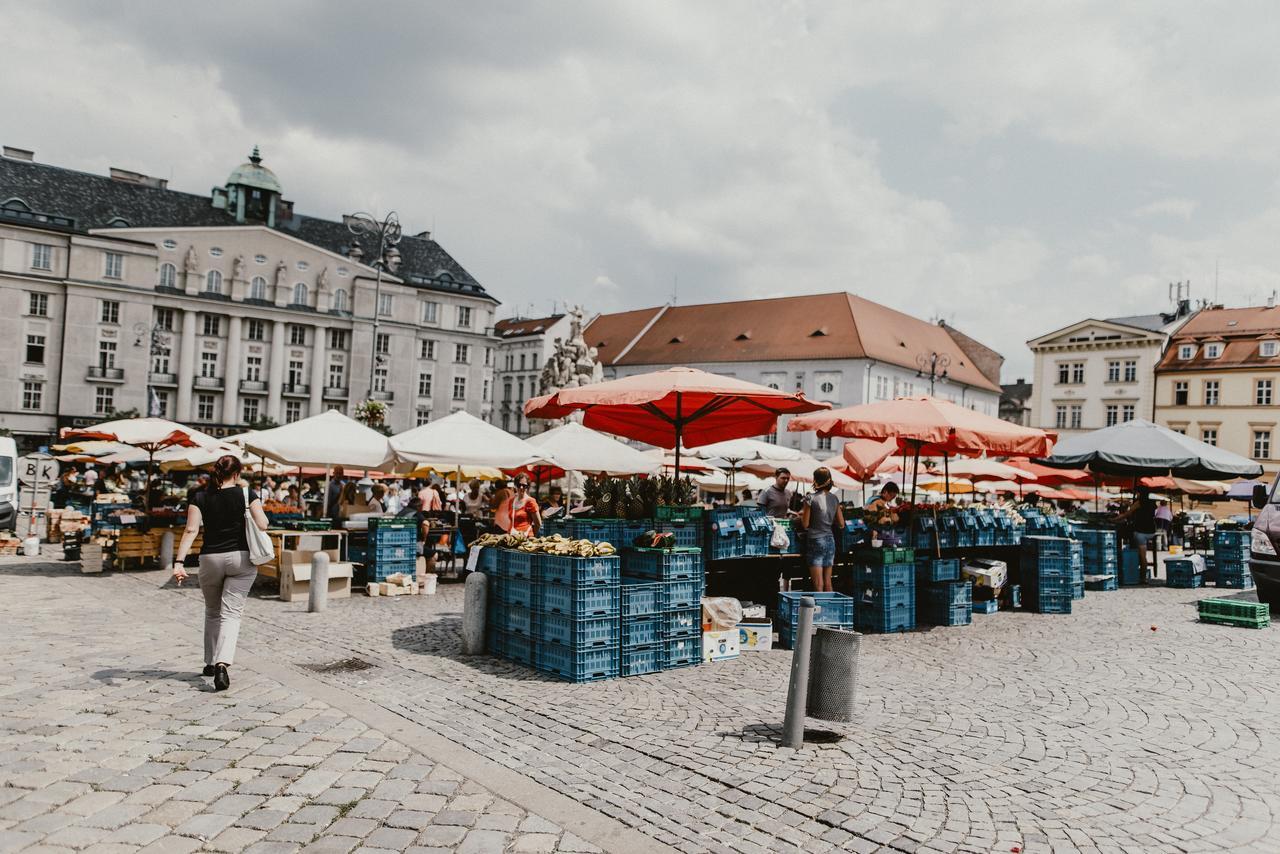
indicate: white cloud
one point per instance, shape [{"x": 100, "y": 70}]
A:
[{"x": 1175, "y": 208}]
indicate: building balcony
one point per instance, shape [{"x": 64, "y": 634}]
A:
[
  {"x": 296, "y": 390},
  {"x": 111, "y": 375},
  {"x": 382, "y": 395},
  {"x": 157, "y": 378},
  {"x": 253, "y": 386},
  {"x": 335, "y": 393},
  {"x": 208, "y": 383}
]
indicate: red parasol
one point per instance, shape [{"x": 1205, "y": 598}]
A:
[
  {"x": 1051, "y": 476},
  {"x": 863, "y": 457},
  {"x": 675, "y": 406}
]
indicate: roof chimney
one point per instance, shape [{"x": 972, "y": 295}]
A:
[
  {"x": 19, "y": 154},
  {"x": 128, "y": 176},
  {"x": 1271, "y": 300}
]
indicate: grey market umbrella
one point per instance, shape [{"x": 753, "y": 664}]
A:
[{"x": 1141, "y": 448}]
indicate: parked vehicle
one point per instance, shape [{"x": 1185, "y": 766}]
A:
[
  {"x": 1264, "y": 542},
  {"x": 1200, "y": 519},
  {"x": 8, "y": 484}
]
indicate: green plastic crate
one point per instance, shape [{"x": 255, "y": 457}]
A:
[
  {"x": 1230, "y": 612},
  {"x": 679, "y": 513}
]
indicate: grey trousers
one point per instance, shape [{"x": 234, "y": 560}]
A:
[{"x": 225, "y": 580}]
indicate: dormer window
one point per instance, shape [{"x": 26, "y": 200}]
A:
[
  {"x": 820, "y": 332},
  {"x": 1212, "y": 351},
  {"x": 679, "y": 339},
  {"x": 744, "y": 336},
  {"x": 1187, "y": 351},
  {"x": 1268, "y": 349}
]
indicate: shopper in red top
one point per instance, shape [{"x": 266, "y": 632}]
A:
[{"x": 523, "y": 510}]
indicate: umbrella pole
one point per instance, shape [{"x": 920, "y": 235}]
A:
[
  {"x": 946, "y": 472},
  {"x": 915, "y": 474},
  {"x": 324, "y": 496},
  {"x": 678, "y": 426},
  {"x": 146, "y": 498}
]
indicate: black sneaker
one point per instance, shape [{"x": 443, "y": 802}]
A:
[
  {"x": 208, "y": 670},
  {"x": 221, "y": 679}
]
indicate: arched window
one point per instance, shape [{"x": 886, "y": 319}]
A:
[
  {"x": 258, "y": 288},
  {"x": 168, "y": 276},
  {"x": 300, "y": 294},
  {"x": 213, "y": 282},
  {"x": 340, "y": 300}
]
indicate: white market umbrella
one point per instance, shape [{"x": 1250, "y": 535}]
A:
[
  {"x": 737, "y": 450},
  {"x": 461, "y": 439},
  {"x": 581, "y": 449}
]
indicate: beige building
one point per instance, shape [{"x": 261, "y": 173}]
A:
[
  {"x": 525, "y": 345},
  {"x": 221, "y": 310},
  {"x": 1219, "y": 381}
]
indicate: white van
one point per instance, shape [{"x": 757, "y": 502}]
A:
[{"x": 8, "y": 484}]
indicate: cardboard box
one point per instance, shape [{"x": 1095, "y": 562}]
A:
[
  {"x": 295, "y": 579},
  {"x": 754, "y": 613},
  {"x": 755, "y": 636},
  {"x": 719, "y": 646}
]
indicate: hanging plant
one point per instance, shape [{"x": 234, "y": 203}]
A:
[{"x": 371, "y": 413}]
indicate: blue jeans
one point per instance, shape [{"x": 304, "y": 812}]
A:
[{"x": 822, "y": 549}]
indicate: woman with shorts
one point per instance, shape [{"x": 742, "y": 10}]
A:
[{"x": 821, "y": 516}]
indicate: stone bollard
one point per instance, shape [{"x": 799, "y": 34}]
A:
[
  {"x": 474, "y": 603},
  {"x": 318, "y": 592},
  {"x": 166, "y": 550}
]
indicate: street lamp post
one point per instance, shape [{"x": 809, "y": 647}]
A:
[
  {"x": 387, "y": 233},
  {"x": 157, "y": 340},
  {"x": 934, "y": 366}
]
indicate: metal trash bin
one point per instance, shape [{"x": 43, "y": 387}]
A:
[{"x": 833, "y": 674}]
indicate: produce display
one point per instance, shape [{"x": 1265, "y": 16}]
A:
[
  {"x": 636, "y": 498},
  {"x": 555, "y": 544}
]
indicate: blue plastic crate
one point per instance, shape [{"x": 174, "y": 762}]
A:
[
  {"x": 682, "y": 623},
  {"x": 488, "y": 561},
  {"x": 874, "y": 621},
  {"x": 519, "y": 649},
  {"x": 955, "y": 615},
  {"x": 681, "y": 594},
  {"x": 642, "y": 631},
  {"x": 630, "y": 529},
  {"x": 1235, "y": 581},
  {"x": 787, "y": 632},
  {"x": 986, "y": 537},
  {"x": 1231, "y": 567},
  {"x": 579, "y": 571},
  {"x": 945, "y": 594},
  {"x": 641, "y": 597},
  {"x": 829, "y": 607},
  {"x": 596, "y": 530},
  {"x": 756, "y": 545},
  {"x": 885, "y": 575},
  {"x": 682, "y": 652},
  {"x": 1102, "y": 582},
  {"x": 663, "y": 564},
  {"x": 391, "y": 552},
  {"x": 384, "y": 570},
  {"x": 514, "y": 563},
  {"x": 516, "y": 620},
  {"x": 990, "y": 606},
  {"x": 937, "y": 569},
  {"x": 1015, "y": 595},
  {"x": 888, "y": 599},
  {"x": 726, "y": 548},
  {"x": 1232, "y": 553},
  {"x": 687, "y": 534},
  {"x": 639, "y": 660},
  {"x": 1046, "y": 546},
  {"x": 392, "y": 531},
  {"x": 1050, "y": 584},
  {"x": 1077, "y": 589},
  {"x": 580, "y": 602},
  {"x": 578, "y": 665},
  {"x": 1231, "y": 539},
  {"x": 1051, "y": 603},
  {"x": 519, "y": 591},
  {"x": 1185, "y": 580},
  {"x": 1056, "y": 567},
  {"x": 578, "y": 633}
]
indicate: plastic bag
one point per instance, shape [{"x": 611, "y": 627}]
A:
[
  {"x": 721, "y": 612},
  {"x": 780, "y": 540}
]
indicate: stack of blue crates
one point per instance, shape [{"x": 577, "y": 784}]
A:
[
  {"x": 884, "y": 584},
  {"x": 1008, "y": 532},
  {"x": 726, "y": 534},
  {"x": 1101, "y": 557},
  {"x": 1046, "y": 574},
  {"x": 1231, "y": 559},
  {"x": 834, "y": 610},
  {"x": 986, "y": 523},
  {"x": 662, "y": 624},
  {"x": 1077, "y": 570},
  {"x": 759, "y": 530},
  {"x": 967, "y": 530},
  {"x": 942, "y": 599},
  {"x": 575, "y": 607},
  {"x": 393, "y": 548},
  {"x": 1183, "y": 572}
]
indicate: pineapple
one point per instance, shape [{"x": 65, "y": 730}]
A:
[{"x": 635, "y": 499}]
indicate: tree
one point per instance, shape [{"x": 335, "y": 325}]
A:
[
  {"x": 264, "y": 422},
  {"x": 125, "y": 414}
]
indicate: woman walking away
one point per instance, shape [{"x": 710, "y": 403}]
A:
[
  {"x": 226, "y": 573},
  {"x": 820, "y": 517}
]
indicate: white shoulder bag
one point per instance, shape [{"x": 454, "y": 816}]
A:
[{"x": 260, "y": 549}]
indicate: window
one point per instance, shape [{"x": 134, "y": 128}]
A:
[
  {"x": 170, "y": 244},
  {"x": 824, "y": 443},
  {"x": 384, "y": 305},
  {"x": 212, "y": 325},
  {"x": 257, "y": 330},
  {"x": 488, "y": 358},
  {"x": 382, "y": 344},
  {"x": 204, "y": 407},
  {"x": 208, "y": 364},
  {"x": 257, "y": 290},
  {"x": 1113, "y": 415},
  {"x": 1127, "y": 412},
  {"x": 106, "y": 354},
  {"x": 295, "y": 372},
  {"x": 41, "y": 256},
  {"x": 1077, "y": 373},
  {"x": 38, "y": 305},
  {"x": 431, "y": 312},
  {"x": 1076, "y": 415},
  {"x": 1209, "y": 435},
  {"x": 300, "y": 294},
  {"x": 484, "y": 395},
  {"x": 1262, "y": 393},
  {"x": 522, "y": 361},
  {"x": 114, "y": 266},
  {"x": 1131, "y": 371},
  {"x": 379, "y": 379},
  {"x": 1060, "y": 417},
  {"x": 1262, "y": 444},
  {"x": 1268, "y": 349},
  {"x": 427, "y": 350},
  {"x": 1113, "y": 372},
  {"x": 1180, "y": 395},
  {"x": 162, "y": 403},
  {"x": 164, "y": 319},
  {"x": 340, "y": 300},
  {"x": 35, "y": 350},
  {"x": 160, "y": 361},
  {"x": 459, "y": 388},
  {"x": 292, "y": 411},
  {"x": 462, "y": 354},
  {"x": 215, "y": 251},
  {"x": 104, "y": 400},
  {"x": 827, "y": 388},
  {"x": 168, "y": 276},
  {"x": 297, "y": 335},
  {"x": 337, "y": 339},
  {"x": 253, "y": 371},
  {"x": 506, "y": 390},
  {"x": 110, "y": 311},
  {"x": 424, "y": 385},
  {"x": 908, "y": 389},
  {"x": 1210, "y": 392},
  {"x": 1212, "y": 351},
  {"x": 423, "y": 416},
  {"x": 1187, "y": 351},
  {"x": 336, "y": 374},
  {"x": 464, "y": 317},
  {"x": 249, "y": 411},
  {"x": 882, "y": 388},
  {"x": 32, "y": 395},
  {"x": 213, "y": 282},
  {"x": 1064, "y": 373}
]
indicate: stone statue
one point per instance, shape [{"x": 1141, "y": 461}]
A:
[
  {"x": 282, "y": 271},
  {"x": 322, "y": 280},
  {"x": 190, "y": 261},
  {"x": 572, "y": 363},
  {"x": 237, "y": 268}
]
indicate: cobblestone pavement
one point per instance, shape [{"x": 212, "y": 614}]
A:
[{"x": 1127, "y": 726}]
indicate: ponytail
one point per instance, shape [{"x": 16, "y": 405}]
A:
[
  {"x": 822, "y": 478},
  {"x": 226, "y": 468}
]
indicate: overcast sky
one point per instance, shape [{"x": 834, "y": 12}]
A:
[{"x": 1012, "y": 167}]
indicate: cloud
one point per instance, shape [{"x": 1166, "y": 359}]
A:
[{"x": 1177, "y": 208}]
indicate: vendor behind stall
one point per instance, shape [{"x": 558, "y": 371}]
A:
[
  {"x": 776, "y": 499},
  {"x": 522, "y": 510},
  {"x": 1142, "y": 515},
  {"x": 881, "y": 504}
]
